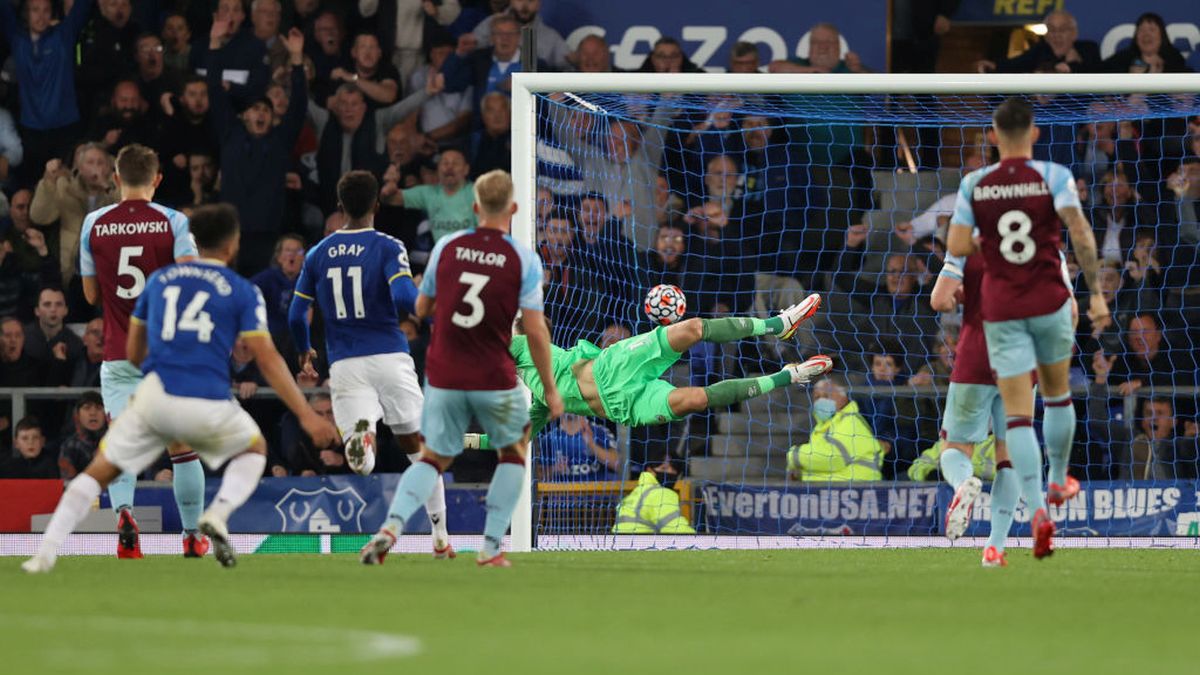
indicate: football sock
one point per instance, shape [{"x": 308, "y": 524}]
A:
[
  {"x": 413, "y": 490},
  {"x": 728, "y": 392},
  {"x": 75, "y": 503},
  {"x": 120, "y": 492},
  {"x": 188, "y": 482},
  {"x": 956, "y": 466},
  {"x": 739, "y": 327},
  {"x": 1058, "y": 426},
  {"x": 242, "y": 474},
  {"x": 1027, "y": 461},
  {"x": 1006, "y": 489},
  {"x": 502, "y": 496},
  {"x": 435, "y": 507}
]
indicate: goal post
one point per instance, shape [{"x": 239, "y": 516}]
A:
[{"x": 825, "y": 100}]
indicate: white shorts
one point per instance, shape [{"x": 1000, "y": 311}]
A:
[
  {"x": 216, "y": 430},
  {"x": 380, "y": 386}
]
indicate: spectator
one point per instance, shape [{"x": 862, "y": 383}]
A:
[
  {"x": 87, "y": 372},
  {"x": 50, "y": 342},
  {"x": 301, "y": 14},
  {"x": 491, "y": 146},
  {"x": 378, "y": 81},
  {"x": 653, "y": 506},
  {"x": 1185, "y": 185},
  {"x": 124, "y": 121},
  {"x": 1159, "y": 451},
  {"x": 30, "y": 459},
  {"x": 298, "y": 451},
  {"x": 744, "y": 58},
  {"x": 187, "y": 130},
  {"x": 936, "y": 218},
  {"x": 401, "y": 27},
  {"x": 824, "y": 55},
  {"x": 667, "y": 57},
  {"x": 551, "y": 47},
  {"x": 107, "y": 50},
  {"x": 152, "y": 75},
  {"x": 449, "y": 204},
  {"x": 255, "y": 155},
  {"x": 572, "y": 449},
  {"x": 719, "y": 238},
  {"x": 841, "y": 446},
  {"x": 278, "y": 281},
  {"x": 328, "y": 49},
  {"x": 1060, "y": 51},
  {"x": 667, "y": 204},
  {"x": 202, "y": 180},
  {"x": 603, "y": 253},
  {"x": 265, "y": 19},
  {"x": 593, "y": 55},
  {"x": 1121, "y": 213},
  {"x": 20, "y": 280},
  {"x": 88, "y": 425},
  {"x": 1149, "y": 361},
  {"x": 14, "y": 228},
  {"x": 447, "y": 115},
  {"x": 19, "y": 369},
  {"x": 65, "y": 197},
  {"x": 12, "y": 153},
  {"x": 177, "y": 44},
  {"x": 233, "y": 55},
  {"x": 486, "y": 69},
  {"x": 900, "y": 421},
  {"x": 44, "y": 58},
  {"x": 1150, "y": 51}
]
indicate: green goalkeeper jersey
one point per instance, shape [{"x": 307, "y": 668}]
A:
[{"x": 561, "y": 362}]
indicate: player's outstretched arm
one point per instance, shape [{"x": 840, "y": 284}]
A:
[
  {"x": 538, "y": 335},
  {"x": 135, "y": 343},
  {"x": 276, "y": 372},
  {"x": 1083, "y": 242}
]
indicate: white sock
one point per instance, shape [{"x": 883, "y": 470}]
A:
[
  {"x": 436, "y": 508},
  {"x": 75, "y": 503},
  {"x": 241, "y": 478}
]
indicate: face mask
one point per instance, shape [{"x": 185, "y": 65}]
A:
[{"x": 823, "y": 409}]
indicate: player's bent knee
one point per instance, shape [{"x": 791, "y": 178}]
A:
[
  {"x": 176, "y": 449},
  {"x": 687, "y": 400},
  {"x": 102, "y": 470},
  {"x": 681, "y": 336},
  {"x": 258, "y": 447},
  {"x": 967, "y": 449}
]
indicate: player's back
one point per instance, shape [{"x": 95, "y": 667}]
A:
[
  {"x": 194, "y": 313},
  {"x": 479, "y": 279},
  {"x": 1014, "y": 204},
  {"x": 971, "y": 364},
  {"x": 121, "y": 246},
  {"x": 349, "y": 274}
]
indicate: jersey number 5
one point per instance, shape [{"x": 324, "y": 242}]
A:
[
  {"x": 1014, "y": 227},
  {"x": 126, "y": 269},
  {"x": 474, "y": 283},
  {"x": 194, "y": 317}
]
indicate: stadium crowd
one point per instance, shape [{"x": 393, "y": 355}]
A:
[{"x": 265, "y": 104}]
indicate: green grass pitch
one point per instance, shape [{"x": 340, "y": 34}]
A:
[{"x": 745, "y": 612}]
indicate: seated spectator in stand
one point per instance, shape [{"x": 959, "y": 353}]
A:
[
  {"x": 30, "y": 459},
  {"x": 202, "y": 177},
  {"x": 50, "y": 342},
  {"x": 824, "y": 55},
  {"x": 900, "y": 309},
  {"x": 744, "y": 58},
  {"x": 21, "y": 280},
  {"x": 43, "y": 54},
  {"x": 232, "y": 55},
  {"x": 87, "y": 372},
  {"x": 574, "y": 308},
  {"x": 667, "y": 57},
  {"x": 302, "y": 458},
  {"x": 88, "y": 425},
  {"x": 19, "y": 369},
  {"x": 177, "y": 44},
  {"x": 1119, "y": 216},
  {"x": 573, "y": 449},
  {"x": 1148, "y": 361},
  {"x": 551, "y": 47},
  {"x": 255, "y": 156},
  {"x": 718, "y": 237},
  {"x": 403, "y": 28},
  {"x": 1150, "y": 51},
  {"x": 1185, "y": 185},
  {"x": 450, "y": 205},
  {"x": 277, "y": 284},
  {"x": 1160, "y": 451},
  {"x": 593, "y": 55},
  {"x": 901, "y": 421},
  {"x": 107, "y": 50},
  {"x": 124, "y": 121},
  {"x": 12, "y": 153},
  {"x": 669, "y": 262},
  {"x": 1060, "y": 51},
  {"x": 491, "y": 146},
  {"x": 486, "y": 69},
  {"x": 152, "y": 75},
  {"x": 603, "y": 254},
  {"x": 378, "y": 80},
  {"x": 773, "y": 171},
  {"x": 447, "y": 116},
  {"x": 841, "y": 446},
  {"x": 185, "y": 130},
  {"x": 65, "y": 196}
]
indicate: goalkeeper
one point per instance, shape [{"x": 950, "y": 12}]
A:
[{"x": 621, "y": 382}]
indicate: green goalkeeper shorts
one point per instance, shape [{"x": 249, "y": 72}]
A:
[{"x": 627, "y": 378}]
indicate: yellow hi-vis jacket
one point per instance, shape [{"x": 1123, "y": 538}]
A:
[
  {"x": 842, "y": 448},
  {"x": 651, "y": 509},
  {"x": 983, "y": 461}
]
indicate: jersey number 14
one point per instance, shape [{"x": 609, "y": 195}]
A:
[{"x": 194, "y": 318}]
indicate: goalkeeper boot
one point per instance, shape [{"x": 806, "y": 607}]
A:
[
  {"x": 218, "y": 533},
  {"x": 994, "y": 558},
  {"x": 1043, "y": 535},
  {"x": 497, "y": 560},
  {"x": 360, "y": 450},
  {"x": 803, "y": 373},
  {"x": 1061, "y": 494},
  {"x": 797, "y": 314},
  {"x": 377, "y": 549},
  {"x": 128, "y": 546},
  {"x": 195, "y": 545},
  {"x": 958, "y": 516}
]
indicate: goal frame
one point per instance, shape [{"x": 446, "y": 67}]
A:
[{"x": 526, "y": 86}]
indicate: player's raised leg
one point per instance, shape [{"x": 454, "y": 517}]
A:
[
  {"x": 968, "y": 410},
  {"x": 684, "y": 401},
  {"x": 241, "y": 477},
  {"x": 684, "y": 335},
  {"x": 118, "y": 380}
]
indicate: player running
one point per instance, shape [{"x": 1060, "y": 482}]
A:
[
  {"x": 1017, "y": 206},
  {"x": 361, "y": 281},
  {"x": 181, "y": 334},
  {"x": 120, "y": 246},
  {"x": 477, "y": 279}
]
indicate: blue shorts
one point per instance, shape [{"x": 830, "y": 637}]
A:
[
  {"x": 969, "y": 408},
  {"x": 503, "y": 414},
  {"x": 1021, "y": 345},
  {"x": 118, "y": 380}
]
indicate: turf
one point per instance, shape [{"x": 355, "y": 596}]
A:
[{"x": 742, "y": 613}]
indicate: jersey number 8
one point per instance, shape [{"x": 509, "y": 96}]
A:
[{"x": 1014, "y": 227}]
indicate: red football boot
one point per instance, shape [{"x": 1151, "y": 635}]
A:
[
  {"x": 195, "y": 546},
  {"x": 497, "y": 560},
  {"x": 444, "y": 553},
  {"x": 1043, "y": 535},
  {"x": 1061, "y": 494},
  {"x": 127, "y": 536}
]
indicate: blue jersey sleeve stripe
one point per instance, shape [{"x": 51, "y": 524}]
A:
[
  {"x": 397, "y": 275},
  {"x": 301, "y": 295},
  {"x": 134, "y": 319},
  {"x": 256, "y": 332}
]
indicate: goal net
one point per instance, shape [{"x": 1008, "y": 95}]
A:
[{"x": 750, "y": 193}]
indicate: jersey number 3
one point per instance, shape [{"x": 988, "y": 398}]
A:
[
  {"x": 194, "y": 318},
  {"x": 474, "y": 283},
  {"x": 1016, "y": 246}
]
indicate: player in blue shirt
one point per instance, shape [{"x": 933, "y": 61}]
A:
[
  {"x": 361, "y": 281},
  {"x": 181, "y": 334}
]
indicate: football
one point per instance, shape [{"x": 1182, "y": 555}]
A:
[{"x": 665, "y": 304}]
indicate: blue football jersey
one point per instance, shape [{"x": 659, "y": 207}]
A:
[
  {"x": 193, "y": 313},
  {"x": 350, "y": 274}
]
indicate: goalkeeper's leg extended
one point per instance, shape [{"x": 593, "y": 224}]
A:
[{"x": 685, "y": 334}]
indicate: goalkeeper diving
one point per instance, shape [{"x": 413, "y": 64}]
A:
[{"x": 621, "y": 382}]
